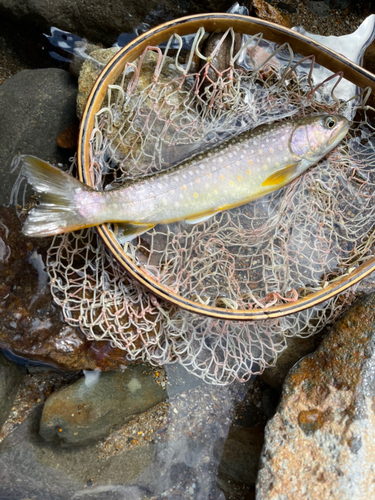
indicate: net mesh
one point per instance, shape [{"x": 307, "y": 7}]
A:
[{"x": 174, "y": 102}]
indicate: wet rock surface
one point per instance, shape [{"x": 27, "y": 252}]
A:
[
  {"x": 169, "y": 451},
  {"x": 91, "y": 407},
  {"x": 100, "y": 21},
  {"x": 320, "y": 443},
  {"x": 11, "y": 376},
  {"x": 38, "y": 106},
  {"x": 37, "y": 384},
  {"x": 31, "y": 326}
]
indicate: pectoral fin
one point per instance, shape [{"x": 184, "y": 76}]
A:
[
  {"x": 282, "y": 176},
  {"x": 127, "y": 232}
]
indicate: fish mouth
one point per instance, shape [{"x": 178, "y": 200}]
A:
[{"x": 341, "y": 133}]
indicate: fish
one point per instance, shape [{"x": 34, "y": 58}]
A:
[{"x": 243, "y": 169}]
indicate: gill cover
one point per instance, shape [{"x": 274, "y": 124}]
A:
[{"x": 316, "y": 136}]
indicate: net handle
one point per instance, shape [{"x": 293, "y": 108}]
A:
[{"x": 216, "y": 23}]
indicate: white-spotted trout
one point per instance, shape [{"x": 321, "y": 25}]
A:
[{"x": 241, "y": 170}]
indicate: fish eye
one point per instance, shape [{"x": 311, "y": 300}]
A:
[{"x": 330, "y": 122}]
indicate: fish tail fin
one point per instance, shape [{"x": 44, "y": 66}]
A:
[{"x": 57, "y": 210}]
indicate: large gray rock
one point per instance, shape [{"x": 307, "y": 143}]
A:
[
  {"x": 170, "y": 451},
  {"x": 11, "y": 376},
  {"x": 35, "y": 107},
  {"x": 32, "y": 468},
  {"x": 103, "y": 21},
  {"x": 320, "y": 443},
  {"x": 90, "y": 408}
]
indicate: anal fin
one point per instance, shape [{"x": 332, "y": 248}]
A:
[
  {"x": 282, "y": 176},
  {"x": 201, "y": 218},
  {"x": 125, "y": 231}
]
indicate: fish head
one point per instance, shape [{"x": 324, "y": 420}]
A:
[{"x": 315, "y": 136}]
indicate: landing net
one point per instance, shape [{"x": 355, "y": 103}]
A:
[{"x": 168, "y": 105}]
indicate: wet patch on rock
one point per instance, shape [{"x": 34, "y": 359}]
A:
[
  {"x": 35, "y": 387},
  {"x": 323, "y": 432},
  {"x": 31, "y": 326},
  {"x": 88, "y": 409},
  {"x": 169, "y": 451}
]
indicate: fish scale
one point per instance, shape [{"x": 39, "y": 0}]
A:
[{"x": 245, "y": 168}]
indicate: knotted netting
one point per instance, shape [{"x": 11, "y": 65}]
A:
[{"x": 173, "y": 102}]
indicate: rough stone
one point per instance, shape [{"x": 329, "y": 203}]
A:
[
  {"x": 320, "y": 443},
  {"x": 89, "y": 72},
  {"x": 11, "y": 376},
  {"x": 35, "y": 106},
  {"x": 101, "y": 21},
  {"x": 88, "y": 409},
  {"x": 296, "y": 349},
  {"x": 266, "y": 11}
]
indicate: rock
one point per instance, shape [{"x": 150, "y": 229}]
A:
[
  {"x": 296, "y": 349},
  {"x": 240, "y": 457},
  {"x": 36, "y": 385},
  {"x": 35, "y": 106},
  {"x": 320, "y": 8},
  {"x": 31, "y": 326},
  {"x": 170, "y": 451},
  {"x": 100, "y": 21},
  {"x": 11, "y": 376},
  {"x": 338, "y": 4},
  {"x": 266, "y": 11},
  {"x": 32, "y": 468},
  {"x": 91, "y": 407},
  {"x": 320, "y": 443},
  {"x": 89, "y": 72}
]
